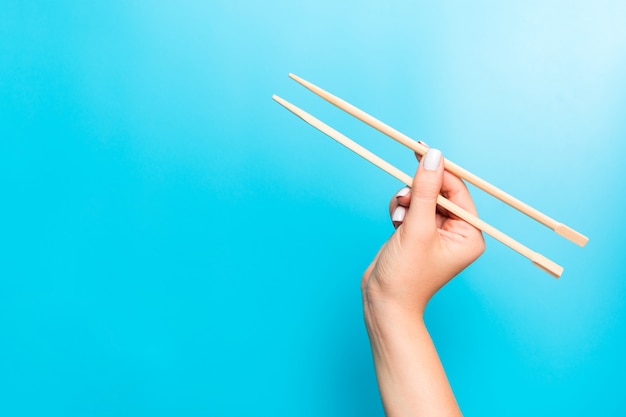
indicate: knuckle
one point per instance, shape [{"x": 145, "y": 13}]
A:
[{"x": 425, "y": 190}]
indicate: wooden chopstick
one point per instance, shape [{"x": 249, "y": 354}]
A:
[
  {"x": 421, "y": 149},
  {"x": 539, "y": 260}
]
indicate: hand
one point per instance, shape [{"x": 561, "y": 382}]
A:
[{"x": 430, "y": 245}]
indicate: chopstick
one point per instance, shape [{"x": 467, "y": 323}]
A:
[
  {"x": 537, "y": 259},
  {"x": 561, "y": 229}
]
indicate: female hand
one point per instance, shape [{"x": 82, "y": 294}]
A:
[{"x": 429, "y": 247}]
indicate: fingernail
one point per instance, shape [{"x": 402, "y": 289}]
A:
[
  {"x": 403, "y": 192},
  {"x": 432, "y": 159},
  {"x": 398, "y": 214}
]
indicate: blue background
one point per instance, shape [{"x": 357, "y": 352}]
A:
[{"x": 173, "y": 242}]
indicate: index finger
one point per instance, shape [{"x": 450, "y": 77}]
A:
[{"x": 455, "y": 190}]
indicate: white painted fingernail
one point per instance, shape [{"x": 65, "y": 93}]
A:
[
  {"x": 403, "y": 192},
  {"x": 398, "y": 214},
  {"x": 432, "y": 159}
]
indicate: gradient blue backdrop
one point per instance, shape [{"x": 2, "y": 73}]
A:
[{"x": 173, "y": 242}]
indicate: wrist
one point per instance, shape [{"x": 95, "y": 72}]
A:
[
  {"x": 386, "y": 317},
  {"x": 388, "y": 304}
]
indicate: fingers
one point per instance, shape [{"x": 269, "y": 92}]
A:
[
  {"x": 427, "y": 183},
  {"x": 455, "y": 190},
  {"x": 399, "y": 205},
  {"x": 403, "y": 197},
  {"x": 398, "y": 215}
]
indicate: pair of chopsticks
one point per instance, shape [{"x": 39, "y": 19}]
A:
[{"x": 537, "y": 259}]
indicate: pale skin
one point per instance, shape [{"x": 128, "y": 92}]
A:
[{"x": 429, "y": 247}]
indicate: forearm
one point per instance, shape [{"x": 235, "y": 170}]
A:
[
  {"x": 410, "y": 376},
  {"x": 427, "y": 250}
]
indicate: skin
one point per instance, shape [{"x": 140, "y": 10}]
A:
[{"x": 429, "y": 247}]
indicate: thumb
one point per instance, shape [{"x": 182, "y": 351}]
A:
[{"x": 422, "y": 215}]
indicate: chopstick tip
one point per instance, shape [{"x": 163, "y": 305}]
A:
[
  {"x": 298, "y": 79},
  {"x": 295, "y": 110},
  {"x": 548, "y": 266},
  {"x": 571, "y": 235}
]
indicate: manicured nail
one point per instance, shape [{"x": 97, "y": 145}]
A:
[
  {"x": 403, "y": 192},
  {"x": 432, "y": 159},
  {"x": 398, "y": 214}
]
